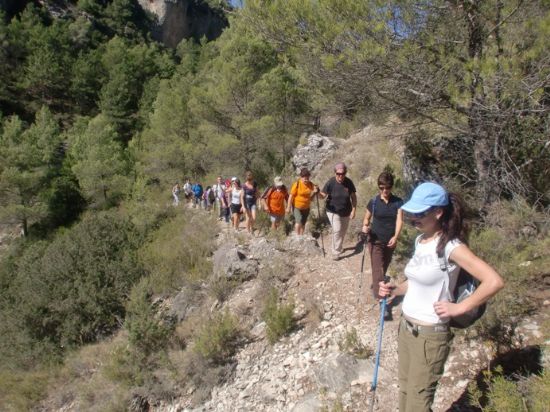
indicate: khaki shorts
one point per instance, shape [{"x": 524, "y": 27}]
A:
[{"x": 300, "y": 215}]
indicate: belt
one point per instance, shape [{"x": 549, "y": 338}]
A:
[{"x": 416, "y": 329}]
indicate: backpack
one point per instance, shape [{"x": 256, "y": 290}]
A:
[
  {"x": 466, "y": 284},
  {"x": 211, "y": 196}
]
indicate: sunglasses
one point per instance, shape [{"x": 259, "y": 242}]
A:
[
  {"x": 340, "y": 174},
  {"x": 416, "y": 216}
]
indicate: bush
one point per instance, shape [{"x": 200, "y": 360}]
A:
[
  {"x": 279, "y": 318},
  {"x": 501, "y": 394},
  {"x": 218, "y": 339},
  {"x": 73, "y": 290},
  {"x": 20, "y": 391},
  {"x": 149, "y": 329},
  {"x": 179, "y": 251},
  {"x": 351, "y": 344}
]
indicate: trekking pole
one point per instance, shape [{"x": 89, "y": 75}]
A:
[
  {"x": 359, "y": 297},
  {"x": 319, "y": 216},
  {"x": 378, "y": 350}
]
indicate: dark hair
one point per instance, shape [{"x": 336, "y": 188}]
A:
[
  {"x": 304, "y": 172},
  {"x": 238, "y": 182},
  {"x": 452, "y": 222},
  {"x": 248, "y": 175},
  {"x": 385, "y": 179}
]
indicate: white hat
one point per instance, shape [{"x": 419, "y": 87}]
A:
[
  {"x": 278, "y": 181},
  {"x": 233, "y": 179}
]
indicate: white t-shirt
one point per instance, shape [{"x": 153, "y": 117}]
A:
[
  {"x": 236, "y": 196},
  {"x": 219, "y": 190},
  {"x": 427, "y": 283}
]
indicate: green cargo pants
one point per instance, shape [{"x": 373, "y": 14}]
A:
[{"x": 422, "y": 355}]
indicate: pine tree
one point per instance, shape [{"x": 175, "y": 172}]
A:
[
  {"x": 98, "y": 161},
  {"x": 26, "y": 156}
]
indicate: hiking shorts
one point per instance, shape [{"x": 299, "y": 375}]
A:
[
  {"x": 300, "y": 215},
  {"x": 236, "y": 208},
  {"x": 276, "y": 218},
  {"x": 251, "y": 206}
]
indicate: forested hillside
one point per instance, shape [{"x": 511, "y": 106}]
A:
[{"x": 98, "y": 121}]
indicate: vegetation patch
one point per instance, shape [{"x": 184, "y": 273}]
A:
[
  {"x": 218, "y": 339},
  {"x": 279, "y": 317}
]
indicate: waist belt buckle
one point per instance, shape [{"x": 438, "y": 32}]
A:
[
  {"x": 412, "y": 328},
  {"x": 441, "y": 328}
]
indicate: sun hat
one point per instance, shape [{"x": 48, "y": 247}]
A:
[
  {"x": 278, "y": 181},
  {"x": 233, "y": 179},
  {"x": 425, "y": 196}
]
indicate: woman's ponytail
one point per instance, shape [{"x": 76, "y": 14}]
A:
[{"x": 452, "y": 222}]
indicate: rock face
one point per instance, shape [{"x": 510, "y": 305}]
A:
[
  {"x": 184, "y": 19},
  {"x": 314, "y": 153}
]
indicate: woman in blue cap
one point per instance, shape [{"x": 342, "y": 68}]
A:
[{"x": 424, "y": 333}]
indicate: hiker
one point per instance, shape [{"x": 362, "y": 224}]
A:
[
  {"x": 221, "y": 198},
  {"x": 382, "y": 225},
  {"x": 208, "y": 198},
  {"x": 197, "y": 194},
  {"x": 176, "y": 194},
  {"x": 219, "y": 193},
  {"x": 235, "y": 192},
  {"x": 424, "y": 336},
  {"x": 299, "y": 200},
  {"x": 249, "y": 199},
  {"x": 273, "y": 201},
  {"x": 188, "y": 191},
  {"x": 341, "y": 201}
]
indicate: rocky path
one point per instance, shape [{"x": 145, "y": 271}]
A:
[{"x": 312, "y": 369}]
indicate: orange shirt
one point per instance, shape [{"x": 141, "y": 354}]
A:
[
  {"x": 276, "y": 201},
  {"x": 301, "y": 194}
]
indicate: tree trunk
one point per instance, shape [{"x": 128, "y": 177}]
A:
[{"x": 478, "y": 123}]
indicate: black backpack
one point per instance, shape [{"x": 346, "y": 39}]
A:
[{"x": 466, "y": 284}]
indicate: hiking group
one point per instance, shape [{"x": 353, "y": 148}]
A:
[{"x": 446, "y": 284}]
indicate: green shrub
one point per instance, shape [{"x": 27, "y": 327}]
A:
[
  {"x": 20, "y": 391},
  {"x": 351, "y": 344},
  {"x": 501, "y": 394},
  {"x": 126, "y": 366},
  {"x": 538, "y": 390},
  {"x": 279, "y": 318},
  {"x": 179, "y": 251},
  {"x": 74, "y": 289},
  {"x": 221, "y": 287},
  {"x": 218, "y": 339},
  {"x": 149, "y": 329}
]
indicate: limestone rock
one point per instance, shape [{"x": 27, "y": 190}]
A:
[
  {"x": 314, "y": 153},
  {"x": 232, "y": 262},
  {"x": 184, "y": 19}
]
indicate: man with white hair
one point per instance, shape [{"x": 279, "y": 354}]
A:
[{"x": 341, "y": 201}]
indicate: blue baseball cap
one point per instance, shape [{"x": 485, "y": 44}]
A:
[{"x": 425, "y": 196}]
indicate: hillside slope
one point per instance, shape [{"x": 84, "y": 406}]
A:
[{"x": 313, "y": 368}]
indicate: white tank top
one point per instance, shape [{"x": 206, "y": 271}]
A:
[
  {"x": 427, "y": 283},
  {"x": 236, "y": 196}
]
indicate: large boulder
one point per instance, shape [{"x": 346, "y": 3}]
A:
[
  {"x": 233, "y": 262},
  {"x": 312, "y": 155}
]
